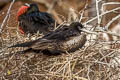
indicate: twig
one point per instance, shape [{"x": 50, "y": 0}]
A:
[
  {"x": 113, "y": 19},
  {"x": 58, "y": 75},
  {"x": 82, "y": 12},
  {"x": 101, "y": 15},
  {"x": 102, "y": 31},
  {"x": 90, "y": 32},
  {"x": 7, "y": 15},
  {"x": 98, "y": 13},
  {"x": 88, "y": 72},
  {"x": 108, "y": 3}
]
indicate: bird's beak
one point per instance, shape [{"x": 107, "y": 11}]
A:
[
  {"x": 26, "y": 4},
  {"x": 79, "y": 28}
]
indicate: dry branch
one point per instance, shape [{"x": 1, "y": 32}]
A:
[{"x": 7, "y": 15}]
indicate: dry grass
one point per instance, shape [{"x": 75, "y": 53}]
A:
[{"x": 92, "y": 62}]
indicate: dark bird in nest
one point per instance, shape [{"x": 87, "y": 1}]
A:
[
  {"x": 67, "y": 38},
  {"x": 31, "y": 20}
]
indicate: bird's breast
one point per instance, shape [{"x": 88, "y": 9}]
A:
[{"x": 73, "y": 43}]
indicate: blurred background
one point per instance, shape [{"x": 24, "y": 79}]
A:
[
  {"x": 67, "y": 10},
  {"x": 62, "y": 10}
]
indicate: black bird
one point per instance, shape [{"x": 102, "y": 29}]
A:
[
  {"x": 67, "y": 38},
  {"x": 31, "y": 20}
]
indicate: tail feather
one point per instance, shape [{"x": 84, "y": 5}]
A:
[{"x": 26, "y": 44}]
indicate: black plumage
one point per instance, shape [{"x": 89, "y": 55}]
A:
[
  {"x": 66, "y": 38},
  {"x": 31, "y": 20}
]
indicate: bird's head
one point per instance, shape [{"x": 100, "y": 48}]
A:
[
  {"x": 31, "y": 8},
  {"x": 76, "y": 25},
  {"x": 27, "y": 8}
]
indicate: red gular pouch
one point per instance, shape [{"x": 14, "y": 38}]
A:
[
  {"x": 21, "y": 11},
  {"x": 21, "y": 31}
]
